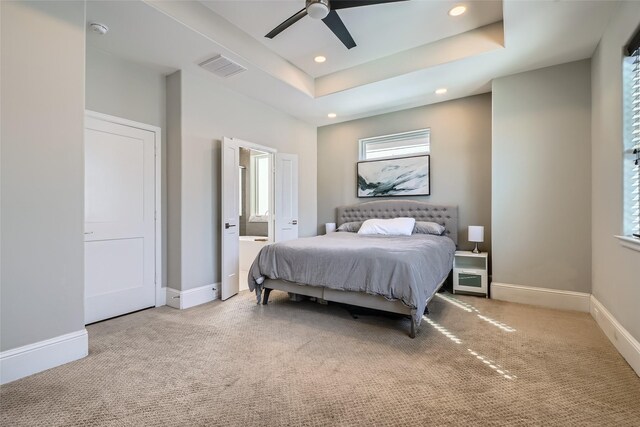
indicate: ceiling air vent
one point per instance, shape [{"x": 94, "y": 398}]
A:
[{"x": 222, "y": 66}]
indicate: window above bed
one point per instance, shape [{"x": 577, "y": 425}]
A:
[{"x": 411, "y": 143}]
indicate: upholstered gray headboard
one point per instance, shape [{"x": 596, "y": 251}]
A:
[{"x": 443, "y": 215}]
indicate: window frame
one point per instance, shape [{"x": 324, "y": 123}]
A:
[
  {"x": 255, "y": 183},
  {"x": 631, "y": 145},
  {"x": 400, "y": 136}
]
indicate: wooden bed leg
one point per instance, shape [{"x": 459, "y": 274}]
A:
[
  {"x": 265, "y": 299},
  {"x": 413, "y": 328}
]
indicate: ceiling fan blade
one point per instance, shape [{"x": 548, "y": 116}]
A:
[
  {"x": 345, "y": 4},
  {"x": 287, "y": 23},
  {"x": 336, "y": 25}
]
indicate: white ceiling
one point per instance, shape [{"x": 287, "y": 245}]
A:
[
  {"x": 378, "y": 30},
  {"x": 172, "y": 35}
]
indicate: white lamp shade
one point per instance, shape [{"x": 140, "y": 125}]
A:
[
  {"x": 330, "y": 227},
  {"x": 476, "y": 233}
]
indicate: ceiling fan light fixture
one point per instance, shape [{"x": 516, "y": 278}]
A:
[
  {"x": 457, "y": 11},
  {"x": 318, "y": 9}
]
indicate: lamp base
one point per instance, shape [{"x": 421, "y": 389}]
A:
[{"x": 476, "y": 250}]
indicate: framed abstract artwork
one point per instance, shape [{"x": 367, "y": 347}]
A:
[{"x": 403, "y": 176}]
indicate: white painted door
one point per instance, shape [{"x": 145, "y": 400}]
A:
[
  {"x": 230, "y": 218},
  {"x": 119, "y": 219},
  {"x": 286, "y": 189}
]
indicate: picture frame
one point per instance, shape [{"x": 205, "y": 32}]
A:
[{"x": 394, "y": 177}]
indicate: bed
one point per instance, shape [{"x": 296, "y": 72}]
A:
[{"x": 398, "y": 274}]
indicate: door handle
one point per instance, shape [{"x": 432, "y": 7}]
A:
[
  {"x": 294, "y": 222},
  {"x": 227, "y": 225}
]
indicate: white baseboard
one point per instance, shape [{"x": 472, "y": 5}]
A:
[
  {"x": 192, "y": 297},
  {"x": 622, "y": 340},
  {"x": 37, "y": 357},
  {"x": 550, "y": 298}
]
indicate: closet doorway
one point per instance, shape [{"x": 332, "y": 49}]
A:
[{"x": 259, "y": 206}]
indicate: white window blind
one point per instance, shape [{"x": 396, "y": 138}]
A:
[
  {"x": 410, "y": 143},
  {"x": 631, "y": 166}
]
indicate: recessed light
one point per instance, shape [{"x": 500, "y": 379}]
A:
[
  {"x": 441, "y": 91},
  {"x": 458, "y": 10},
  {"x": 319, "y": 59},
  {"x": 332, "y": 115}
]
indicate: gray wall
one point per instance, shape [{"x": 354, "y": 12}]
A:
[
  {"x": 615, "y": 269},
  {"x": 541, "y": 209},
  {"x": 460, "y": 159},
  {"x": 124, "y": 88},
  {"x": 132, "y": 91},
  {"x": 42, "y": 167},
  {"x": 257, "y": 229},
  {"x": 210, "y": 111},
  {"x": 173, "y": 138}
]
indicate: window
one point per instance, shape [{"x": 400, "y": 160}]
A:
[
  {"x": 240, "y": 186},
  {"x": 631, "y": 165},
  {"x": 410, "y": 143},
  {"x": 260, "y": 185}
]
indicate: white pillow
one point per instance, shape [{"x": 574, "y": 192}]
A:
[{"x": 393, "y": 227}]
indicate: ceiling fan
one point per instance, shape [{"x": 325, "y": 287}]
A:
[{"x": 326, "y": 10}]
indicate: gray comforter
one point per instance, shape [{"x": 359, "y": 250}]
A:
[{"x": 405, "y": 268}]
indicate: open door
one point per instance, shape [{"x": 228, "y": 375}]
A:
[
  {"x": 230, "y": 264},
  {"x": 286, "y": 197}
]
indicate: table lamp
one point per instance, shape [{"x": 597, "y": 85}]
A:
[{"x": 476, "y": 234}]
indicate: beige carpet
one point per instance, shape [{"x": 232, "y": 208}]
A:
[{"x": 477, "y": 362}]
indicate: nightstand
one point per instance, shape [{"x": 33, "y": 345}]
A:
[{"x": 470, "y": 272}]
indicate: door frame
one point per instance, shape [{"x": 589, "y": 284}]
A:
[
  {"x": 239, "y": 143},
  {"x": 272, "y": 182},
  {"x": 161, "y": 295}
]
